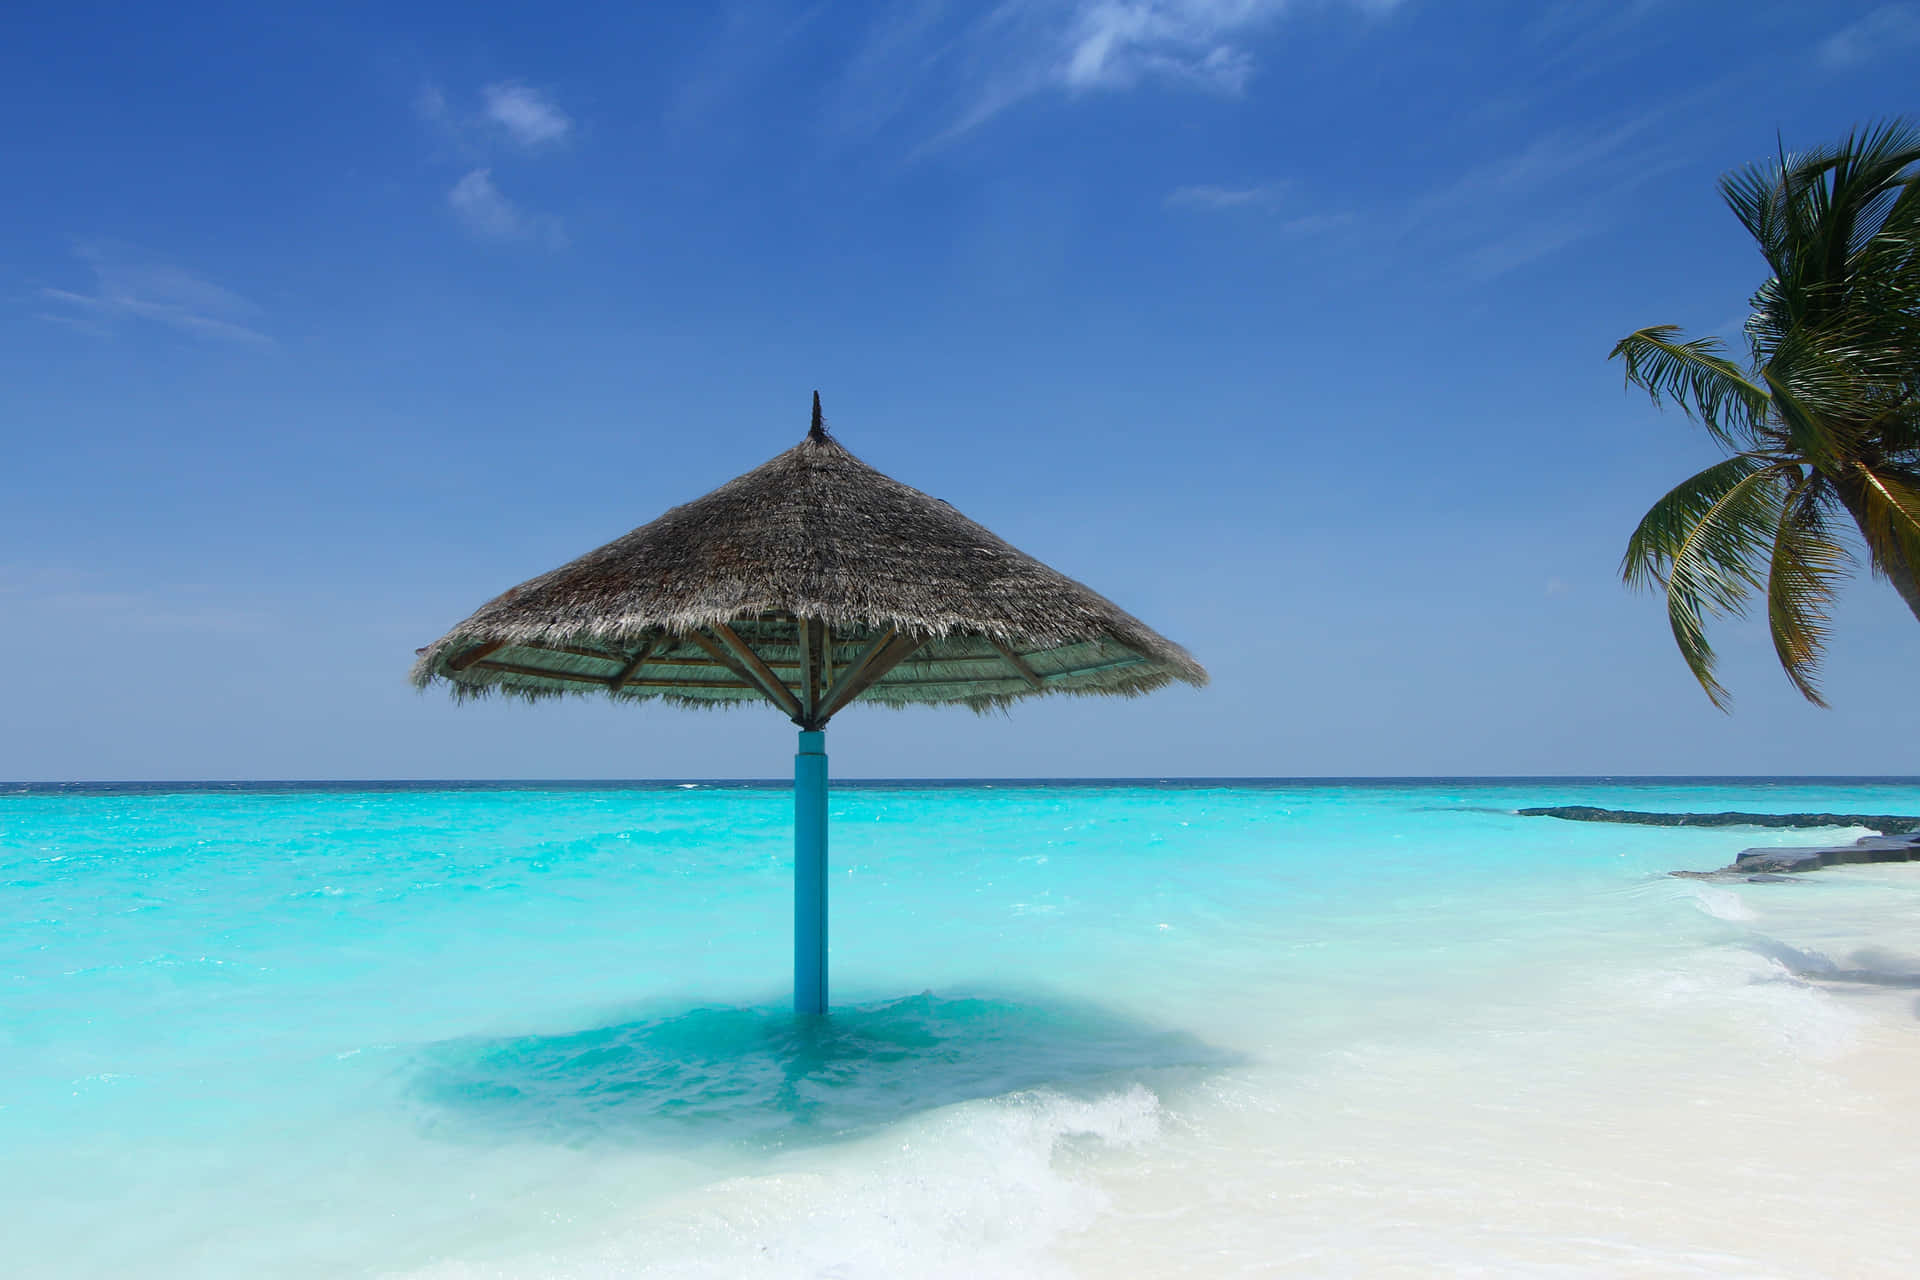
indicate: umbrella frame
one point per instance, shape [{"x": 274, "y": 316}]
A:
[{"x": 736, "y": 598}]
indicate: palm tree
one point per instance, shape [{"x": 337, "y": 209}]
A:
[{"x": 1823, "y": 427}]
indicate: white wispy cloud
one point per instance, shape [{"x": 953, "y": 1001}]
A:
[
  {"x": 1526, "y": 245},
  {"x": 1264, "y": 195},
  {"x": 1888, "y": 29},
  {"x": 1265, "y": 199},
  {"x": 1312, "y": 223},
  {"x": 486, "y": 211},
  {"x": 1544, "y": 195},
  {"x": 1116, "y": 44},
  {"x": 1078, "y": 47},
  {"x": 525, "y": 115},
  {"x": 1549, "y": 161},
  {"x": 479, "y": 204},
  {"x": 129, "y": 286},
  {"x": 510, "y": 119},
  {"x": 1570, "y": 36},
  {"x": 972, "y": 62},
  {"x": 431, "y": 106},
  {"x": 1272, "y": 202},
  {"x": 78, "y": 323}
]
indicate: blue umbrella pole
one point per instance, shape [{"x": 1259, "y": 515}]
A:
[{"x": 810, "y": 873}]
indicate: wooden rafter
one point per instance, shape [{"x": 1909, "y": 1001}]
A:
[
  {"x": 634, "y": 664},
  {"x": 776, "y": 693},
  {"x": 818, "y": 699},
  {"x": 982, "y": 684},
  {"x": 777, "y": 688},
  {"x": 986, "y": 684},
  {"x": 803, "y": 631},
  {"x": 817, "y": 678},
  {"x": 1134, "y": 661},
  {"x": 882, "y": 661},
  {"x": 1015, "y": 661},
  {"x": 473, "y": 655},
  {"x": 847, "y": 676},
  {"x": 581, "y": 651},
  {"x": 575, "y": 677},
  {"x": 845, "y": 693},
  {"x": 659, "y": 658}
]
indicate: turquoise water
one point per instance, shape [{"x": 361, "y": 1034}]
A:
[{"x": 1079, "y": 1030}]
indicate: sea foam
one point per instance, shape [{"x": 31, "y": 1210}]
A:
[{"x": 977, "y": 1189}]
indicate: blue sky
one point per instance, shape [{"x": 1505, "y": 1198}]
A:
[{"x": 1282, "y": 323}]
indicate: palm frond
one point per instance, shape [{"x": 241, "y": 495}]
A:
[
  {"x": 1827, "y": 220},
  {"x": 1662, "y": 532},
  {"x": 1708, "y": 387},
  {"x": 1870, "y": 174},
  {"x": 1826, "y": 424},
  {"x": 1828, "y": 386},
  {"x": 1757, "y": 197},
  {"x": 1803, "y": 575},
  {"x": 1898, "y": 428},
  {"x": 1707, "y": 543},
  {"x": 1890, "y": 519}
]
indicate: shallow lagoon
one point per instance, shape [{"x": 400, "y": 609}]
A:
[{"x": 1275, "y": 1028}]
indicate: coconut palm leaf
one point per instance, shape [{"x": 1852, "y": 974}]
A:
[
  {"x": 1825, "y": 423},
  {"x": 1868, "y": 179},
  {"x": 1803, "y": 574},
  {"x": 1663, "y": 531},
  {"x": 1828, "y": 220},
  {"x": 1899, "y": 428},
  {"x": 1890, "y": 497},
  {"x": 1804, "y": 395},
  {"x": 1758, "y": 198},
  {"x": 1708, "y": 387},
  {"x": 1707, "y": 542}
]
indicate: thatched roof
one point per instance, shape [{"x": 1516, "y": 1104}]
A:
[{"x": 809, "y": 582}]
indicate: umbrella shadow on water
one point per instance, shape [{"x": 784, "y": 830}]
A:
[{"x": 772, "y": 1078}]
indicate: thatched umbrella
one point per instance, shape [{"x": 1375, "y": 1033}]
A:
[{"x": 809, "y": 582}]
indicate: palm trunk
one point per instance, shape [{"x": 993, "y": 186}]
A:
[{"x": 1893, "y": 562}]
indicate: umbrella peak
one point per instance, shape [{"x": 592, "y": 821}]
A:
[{"x": 818, "y": 431}]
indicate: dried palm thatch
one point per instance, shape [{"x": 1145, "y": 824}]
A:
[{"x": 810, "y": 581}]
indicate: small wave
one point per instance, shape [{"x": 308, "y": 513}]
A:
[
  {"x": 1721, "y": 904},
  {"x": 978, "y": 1189}
]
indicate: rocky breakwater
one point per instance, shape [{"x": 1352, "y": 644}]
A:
[
  {"x": 1771, "y": 864},
  {"x": 1898, "y": 841}
]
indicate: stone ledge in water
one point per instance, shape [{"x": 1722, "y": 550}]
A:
[
  {"x": 1763, "y": 866},
  {"x": 1885, "y": 824}
]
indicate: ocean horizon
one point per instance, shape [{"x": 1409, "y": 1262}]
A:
[{"x": 128, "y": 785}]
